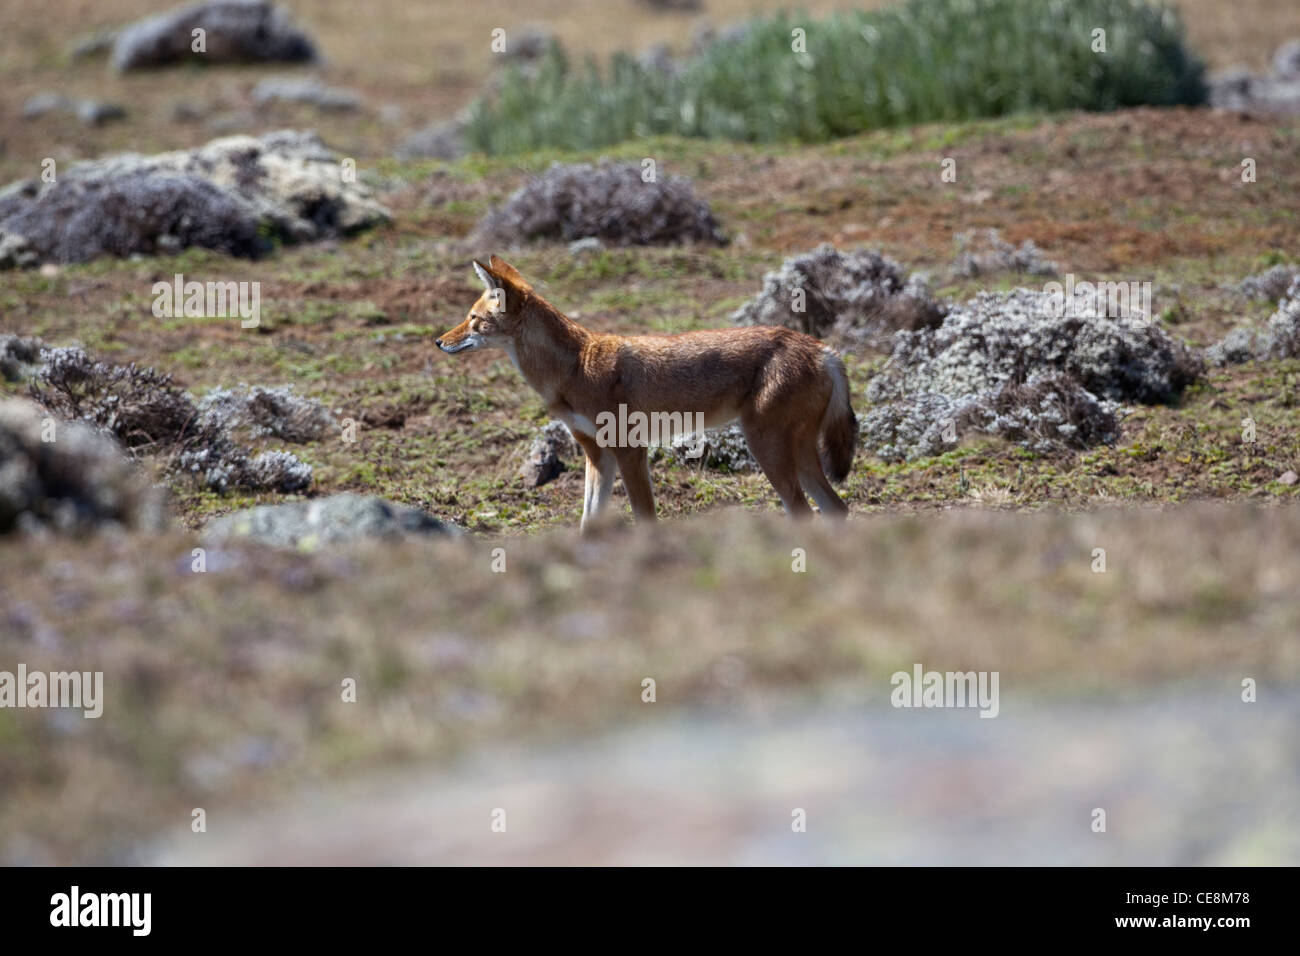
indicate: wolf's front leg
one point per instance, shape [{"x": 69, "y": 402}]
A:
[
  {"x": 599, "y": 486},
  {"x": 588, "y": 486}
]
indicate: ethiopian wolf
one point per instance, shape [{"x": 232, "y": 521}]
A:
[{"x": 788, "y": 391}]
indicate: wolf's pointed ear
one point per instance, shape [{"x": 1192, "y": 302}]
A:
[
  {"x": 510, "y": 273},
  {"x": 487, "y": 278}
]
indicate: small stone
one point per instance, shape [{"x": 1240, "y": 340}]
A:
[
  {"x": 95, "y": 113},
  {"x": 583, "y": 246},
  {"x": 546, "y": 456},
  {"x": 42, "y": 103},
  {"x": 1288, "y": 478}
]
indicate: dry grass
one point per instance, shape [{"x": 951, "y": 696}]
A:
[
  {"x": 224, "y": 687},
  {"x": 428, "y": 58}
]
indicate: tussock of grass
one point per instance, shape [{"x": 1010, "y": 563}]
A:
[{"x": 923, "y": 61}]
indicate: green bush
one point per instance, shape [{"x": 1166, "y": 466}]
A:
[{"x": 925, "y": 61}]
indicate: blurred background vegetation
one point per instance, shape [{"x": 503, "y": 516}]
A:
[{"x": 793, "y": 77}]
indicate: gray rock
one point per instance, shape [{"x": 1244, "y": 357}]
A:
[
  {"x": 234, "y": 195},
  {"x": 1049, "y": 412},
  {"x": 267, "y": 412},
  {"x": 1237, "y": 88},
  {"x": 1279, "y": 339},
  {"x": 39, "y": 104},
  {"x": 546, "y": 457},
  {"x": 999, "y": 337},
  {"x": 1269, "y": 285},
  {"x": 1231, "y": 88},
  {"x": 15, "y": 252},
  {"x": 67, "y": 476},
  {"x": 307, "y": 525},
  {"x": 861, "y": 293},
  {"x": 96, "y": 113},
  {"x": 528, "y": 43},
  {"x": 1286, "y": 61},
  {"x": 443, "y": 140},
  {"x": 610, "y": 201},
  {"x": 90, "y": 112},
  {"x": 1044, "y": 373},
  {"x": 1237, "y": 347},
  {"x": 20, "y": 358},
  {"x": 95, "y": 44},
  {"x": 236, "y": 31},
  {"x": 721, "y": 449},
  {"x": 985, "y": 252},
  {"x": 590, "y": 244},
  {"x": 308, "y": 90}
]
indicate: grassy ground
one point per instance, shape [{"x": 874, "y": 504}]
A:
[{"x": 1140, "y": 195}]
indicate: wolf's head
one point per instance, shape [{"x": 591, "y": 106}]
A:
[{"x": 493, "y": 320}]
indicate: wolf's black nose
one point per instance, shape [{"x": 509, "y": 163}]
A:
[{"x": 438, "y": 342}]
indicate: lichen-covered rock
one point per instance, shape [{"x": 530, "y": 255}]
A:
[
  {"x": 1269, "y": 285},
  {"x": 20, "y": 357},
  {"x": 307, "y": 90},
  {"x": 862, "y": 294},
  {"x": 234, "y": 31},
  {"x": 985, "y": 252},
  {"x": 1009, "y": 336},
  {"x": 1239, "y": 88},
  {"x": 150, "y": 414},
  {"x": 1280, "y": 337},
  {"x": 721, "y": 449},
  {"x": 1286, "y": 61},
  {"x": 1041, "y": 371},
  {"x": 442, "y": 140},
  {"x": 268, "y": 412},
  {"x": 307, "y": 525},
  {"x": 553, "y": 446},
  {"x": 234, "y": 195},
  {"x": 528, "y": 43},
  {"x": 67, "y": 476},
  {"x": 90, "y": 112},
  {"x": 1237, "y": 347},
  {"x": 610, "y": 201},
  {"x": 1045, "y": 414},
  {"x": 1282, "y": 334}
]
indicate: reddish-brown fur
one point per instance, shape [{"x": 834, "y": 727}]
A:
[{"x": 787, "y": 390}]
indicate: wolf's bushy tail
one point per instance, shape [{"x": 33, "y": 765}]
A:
[{"x": 839, "y": 427}]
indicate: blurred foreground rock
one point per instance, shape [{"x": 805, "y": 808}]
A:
[
  {"x": 306, "y": 525},
  {"x": 67, "y": 476}
]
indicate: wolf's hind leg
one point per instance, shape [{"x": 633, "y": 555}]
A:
[{"x": 774, "y": 452}]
